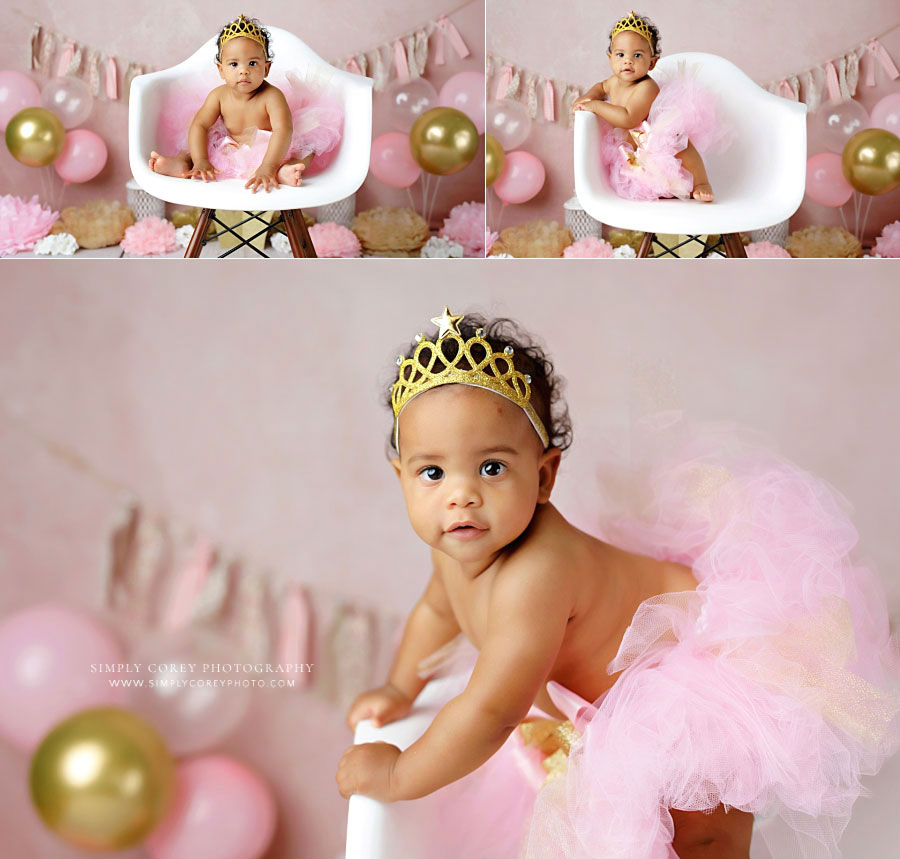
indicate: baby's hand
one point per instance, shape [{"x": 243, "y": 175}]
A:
[
  {"x": 383, "y": 705},
  {"x": 263, "y": 177},
  {"x": 202, "y": 170},
  {"x": 366, "y": 769}
]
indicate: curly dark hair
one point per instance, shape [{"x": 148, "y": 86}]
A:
[
  {"x": 654, "y": 30},
  {"x": 266, "y": 35},
  {"x": 531, "y": 358}
]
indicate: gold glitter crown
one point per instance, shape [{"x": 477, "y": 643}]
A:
[
  {"x": 493, "y": 371},
  {"x": 243, "y": 27},
  {"x": 633, "y": 23}
]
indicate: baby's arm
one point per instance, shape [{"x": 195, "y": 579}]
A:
[
  {"x": 527, "y": 617},
  {"x": 279, "y": 143},
  {"x": 198, "y": 138},
  {"x": 596, "y": 92},
  {"x": 629, "y": 116},
  {"x": 431, "y": 624}
]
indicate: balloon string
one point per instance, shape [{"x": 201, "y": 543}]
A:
[
  {"x": 434, "y": 194},
  {"x": 424, "y": 176},
  {"x": 412, "y": 205},
  {"x": 862, "y": 232},
  {"x": 502, "y": 210},
  {"x": 843, "y": 219}
]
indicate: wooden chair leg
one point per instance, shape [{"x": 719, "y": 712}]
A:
[
  {"x": 298, "y": 234},
  {"x": 199, "y": 234},
  {"x": 646, "y": 245},
  {"x": 734, "y": 247}
]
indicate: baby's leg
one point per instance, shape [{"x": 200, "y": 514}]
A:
[
  {"x": 693, "y": 163},
  {"x": 171, "y": 165},
  {"x": 712, "y": 836},
  {"x": 290, "y": 173}
]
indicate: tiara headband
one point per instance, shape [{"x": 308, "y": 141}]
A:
[
  {"x": 633, "y": 23},
  {"x": 435, "y": 363},
  {"x": 242, "y": 27}
]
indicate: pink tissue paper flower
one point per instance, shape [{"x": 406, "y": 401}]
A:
[
  {"x": 23, "y": 223},
  {"x": 489, "y": 239},
  {"x": 888, "y": 243},
  {"x": 332, "y": 240},
  {"x": 589, "y": 247},
  {"x": 465, "y": 225},
  {"x": 149, "y": 236},
  {"x": 766, "y": 250}
]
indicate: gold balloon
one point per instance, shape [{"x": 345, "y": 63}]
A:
[
  {"x": 493, "y": 159},
  {"x": 871, "y": 161},
  {"x": 102, "y": 780},
  {"x": 443, "y": 140},
  {"x": 35, "y": 136}
]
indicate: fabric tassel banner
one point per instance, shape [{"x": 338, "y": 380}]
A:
[{"x": 834, "y": 80}]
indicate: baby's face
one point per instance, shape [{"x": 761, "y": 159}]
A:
[
  {"x": 631, "y": 56},
  {"x": 243, "y": 65},
  {"x": 472, "y": 469}
]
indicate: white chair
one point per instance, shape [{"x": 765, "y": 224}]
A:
[
  {"x": 446, "y": 823},
  {"x": 340, "y": 179},
  {"x": 758, "y": 181}
]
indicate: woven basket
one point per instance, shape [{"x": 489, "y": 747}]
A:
[
  {"x": 579, "y": 223},
  {"x": 777, "y": 234},
  {"x": 144, "y": 205},
  {"x": 341, "y": 212}
]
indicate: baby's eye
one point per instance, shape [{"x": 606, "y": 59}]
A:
[
  {"x": 431, "y": 473},
  {"x": 492, "y": 468},
  {"x": 252, "y": 62}
]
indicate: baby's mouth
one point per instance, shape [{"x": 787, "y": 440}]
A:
[{"x": 466, "y": 529}]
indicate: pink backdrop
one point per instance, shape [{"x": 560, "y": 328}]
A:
[
  {"x": 256, "y": 415},
  {"x": 768, "y": 40},
  {"x": 332, "y": 30}
]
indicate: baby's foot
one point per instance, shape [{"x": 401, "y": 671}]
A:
[
  {"x": 290, "y": 174},
  {"x": 703, "y": 192},
  {"x": 167, "y": 165}
]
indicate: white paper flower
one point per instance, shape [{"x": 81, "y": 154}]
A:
[
  {"x": 183, "y": 235},
  {"x": 60, "y": 245},
  {"x": 437, "y": 247},
  {"x": 624, "y": 252},
  {"x": 280, "y": 243},
  {"x": 501, "y": 256}
]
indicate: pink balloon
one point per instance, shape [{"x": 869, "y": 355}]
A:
[
  {"x": 83, "y": 156},
  {"x": 392, "y": 162},
  {"x": 465, "y": 92},
  {"x": 17, "y": 91},
  {"x": 49, "y": 656},
  {"x": 521, "y": 178},
  {"x": 886, "y": 114},
  {"x": 221, "y": 810},
  {"x": 825, "y": 182}
]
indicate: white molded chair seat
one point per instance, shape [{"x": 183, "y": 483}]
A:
[
  {"x": 758, "y": 181},
  {"x": 339, "y": 180}
]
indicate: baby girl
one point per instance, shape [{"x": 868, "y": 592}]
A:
[
  {"x": 247, "y": 127},
  {"x": 704, "y": 659},
  {"x": 652, "y": 133}
]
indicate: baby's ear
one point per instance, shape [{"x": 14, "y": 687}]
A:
[
  {"x": 653, "y": 63},
  {"x": 396, "y": 463},
  {"x": 548, "y": 467},
  {"x": 268, "y": 69}
]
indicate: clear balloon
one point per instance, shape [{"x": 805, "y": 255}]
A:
[
  {"x": 392, "y": 162},
  {"x": 886, "y": 114},
  {"x": 408, "y": 100},
  {"x": 190, "y": 718},
  {"x": 837, "y": 123},
  {"x": 83, "y": 156},
  {"x": 465, "y": 92},
  {"x": 222, "y": 809},
  {"x": 825, "y": 182},
  {"x": 102, "y": 779},
  {"x": 509, "y": 122},
  {"x": 522, "y": 177},
  {"x": 69, "y": 98},
  {"x": 48, "y": 654},
  {"x": 17, "y": 91}
]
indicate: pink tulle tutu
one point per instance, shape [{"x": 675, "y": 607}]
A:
[
  {"x": 771, "y": 688},
  {"x": 641, "y": 162},
  {"x": 318, "y": 119}
]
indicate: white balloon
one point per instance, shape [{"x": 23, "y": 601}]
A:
[
  {"x": 839, "y": 122},
  {"x": 509, "y": 122},
  {"x": 408, "y": 100},
  {"x": 185, "y": 706},
  {"x": 69, "y": 98}
]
